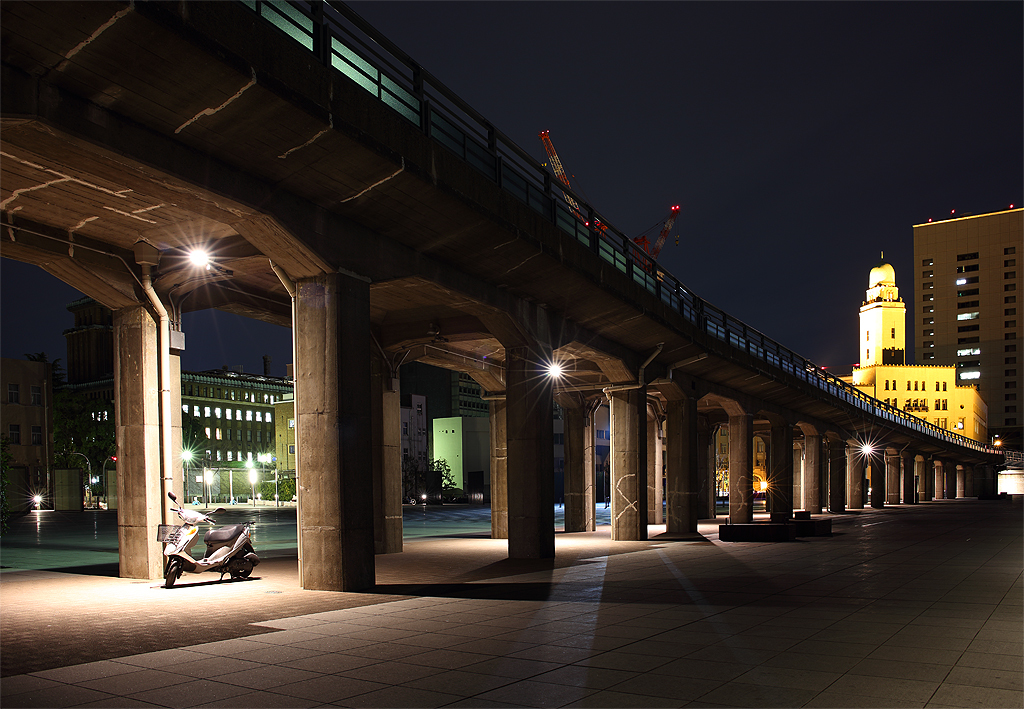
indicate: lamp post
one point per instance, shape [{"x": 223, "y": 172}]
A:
[
  {"x": 207, "y": 479},
  {"x": 88, "y": 463},
  {"x": 186, "y": 458},
  {"x": 252, "y": 481},
  {"x": 106, "y": 490}
]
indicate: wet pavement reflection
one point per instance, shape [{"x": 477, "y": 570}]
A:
[{"x": 87, "y": 541}]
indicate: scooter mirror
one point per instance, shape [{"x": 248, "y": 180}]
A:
[{"x": 171, "y": 495}]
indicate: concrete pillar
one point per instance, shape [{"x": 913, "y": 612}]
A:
[
  {"x": 836, "y": 476},
  {"x": 798, "y": 474},
  {"x": 531, "y": 470},
  {"x": 940, "y": 480},
  {"x": 854, "y": 478},
  {"x": 332, "y": 416},
  {"x": 682, "y": 467},
  {"x": 876, "y": 459},
  {"x": 707, "y": 491},
  {"x": 986, "y": 484},
  {"x": 907, "y": 469},
  {"x": 577, "y": 501},
  {"x": 499, "y": 470},
  {"x": 590, "y": 469},
  {"x": 949, "y": 470},
  {"x": 655, "y": 502},
  {"x": 741, "y": 468},
  {"x": 811, "y": 474},
  {"x": 780, "y": 469},
  {"x": 628, "y": 459},
  {"x": 141, "y": 498},
  {"x": 892, "y": 479},
  {"x": 386, "y": 422},
  {"x": 920, "y": 470},
  {"x": 961, "y": 482}
]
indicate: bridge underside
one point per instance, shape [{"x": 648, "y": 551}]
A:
[{"x": 326, "y": 211}]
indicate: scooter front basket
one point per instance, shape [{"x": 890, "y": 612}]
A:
[{"x": 168, "y": 533}]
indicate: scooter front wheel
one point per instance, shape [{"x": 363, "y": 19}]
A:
[{"x": 173, "y": 572}]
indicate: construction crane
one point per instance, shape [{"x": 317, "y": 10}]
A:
[
  {"x": 643, "y": 241},
  {"x": 556, "y": 167}
]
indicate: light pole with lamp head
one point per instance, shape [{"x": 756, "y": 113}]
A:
[{"x": 88, "y": 463}]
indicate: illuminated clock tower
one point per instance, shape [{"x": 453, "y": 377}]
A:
[{"x": 882, "y": 320}]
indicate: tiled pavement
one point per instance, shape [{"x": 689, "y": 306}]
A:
[{"x": 908, "y": 606}]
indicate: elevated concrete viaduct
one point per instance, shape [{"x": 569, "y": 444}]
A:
[{"x": 343, "y": 191}]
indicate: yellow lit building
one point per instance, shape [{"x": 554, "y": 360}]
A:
[{"x": 928, "y": 391}]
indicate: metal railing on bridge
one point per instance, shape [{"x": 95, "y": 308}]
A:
[{"x": 341, "y": 39}]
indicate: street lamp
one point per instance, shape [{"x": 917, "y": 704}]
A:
[
  {"x": 106, "y": 490},
  {"x": 208, "y": 479},
  {"x": 252, "y": 480},
  {"x": 88, "y": 462}
]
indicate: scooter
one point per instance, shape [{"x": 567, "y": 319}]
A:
[{"x": 228, "y": 549}]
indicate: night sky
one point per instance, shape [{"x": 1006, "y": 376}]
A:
[{"x": 801, "y": 139}]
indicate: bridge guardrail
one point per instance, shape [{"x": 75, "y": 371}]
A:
[{"x": 341, "y": 39}]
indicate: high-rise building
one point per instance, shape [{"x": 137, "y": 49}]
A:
[{"x": 966, "y": 286}]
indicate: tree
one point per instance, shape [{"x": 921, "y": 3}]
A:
[{"x": 81, "y": 426}]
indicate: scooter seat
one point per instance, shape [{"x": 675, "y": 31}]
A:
[{"x": 224, "y": 534}]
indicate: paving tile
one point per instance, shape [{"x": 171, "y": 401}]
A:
[
  {"x": 611, "y": 699},
  {"x": 61, "y": 695},
  {"x": 995, "y": 662},
  {"x": 618, "y": 660},
  {"x": 889, "y": 688},
  {"x": 511, "y": 667},
  {"x": 775, "y": 676},
  {"x": 328, "y": 689},
  {"x": 261, "y": 700},
  {"x": 702, "y": 669},
  {"x": 830, "y": 699},
  {"x": 267, "y": 676},
  {"x": 189, "y": 694},
  {"x": 739, "y": 694},
  {"x": 132, "y": 682},
  {"x": 478, "y": 703},
  {"x": 465, "y": 684},
  {"x": 683, "y": 688},
  {"x": 90, "y": 670},
  {"x": 583, "y": 676},
  {"x": 997, "y": 647},
  {"x": 446, "y": 659},
  {"x": 400, "y": 697},
  {"x": 164, "y": 658},
  {"x": 960, "y": 695},
  {"x": 986, "y": 677},
  {"x": 19, "y": 684},
  {"x": 877, "y": 667},
  {"x": 390, "y": 672},
  {"x": 528, "y": 693},
  {"x": 932, "y": 656},
  {"x": 329, "y": 663}
]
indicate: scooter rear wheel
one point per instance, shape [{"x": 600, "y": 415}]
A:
[{"x": 173, "y": 572}]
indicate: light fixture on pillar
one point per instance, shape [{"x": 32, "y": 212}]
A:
[
  {"x": 199, "y": 257},
  {"x": 555, "y": 370}
]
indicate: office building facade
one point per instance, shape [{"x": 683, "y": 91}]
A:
[{"x": 967, "y": 290}]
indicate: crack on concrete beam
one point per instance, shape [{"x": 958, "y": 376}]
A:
[
  {"x": 330, "y": 121},
  {"x": 212, "y": 111},
  {"x": 396, "y": 173},
  {"x": 99, "y": 30}
]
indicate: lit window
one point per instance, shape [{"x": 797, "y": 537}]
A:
[
  {"x": 248, "y": 415},
  {"x": 970, "y": 375},
  {"x": 266, "y": 417},
  {"x": 291, "y": 423},
  {"x": 216, "y": 412},
  {"x": 961, "y": 281},
  {"x": 968, "y": 316},
  {"x": 195, "y": 411},
  {"x": 207, "y": 410},
  {"x": 259, "y": 416},
  {"x": 964, "y": 353},
  {"x": 227, "y": 414},
  {"x": 184, "y": 408},
  {"x": 229, "y": 456}
]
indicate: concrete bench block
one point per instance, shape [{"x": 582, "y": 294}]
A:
[{"x": 756, "y": 532}]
